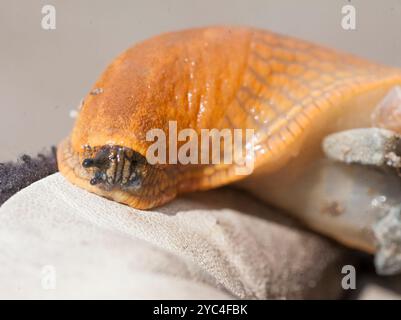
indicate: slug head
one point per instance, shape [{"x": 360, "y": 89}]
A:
[
  {"x": 115, "y": 166},
  {"x": 118, "y": 173}
]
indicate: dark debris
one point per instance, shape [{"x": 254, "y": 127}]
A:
[{"x": 17, "y": 175}]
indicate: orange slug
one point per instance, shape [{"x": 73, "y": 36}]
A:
[{"x": 292, "y": 93}]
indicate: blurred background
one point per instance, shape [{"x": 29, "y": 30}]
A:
[{"x": 45, "y": 73}]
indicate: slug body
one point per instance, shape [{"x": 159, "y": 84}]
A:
[{"x": 291, "y": 92}]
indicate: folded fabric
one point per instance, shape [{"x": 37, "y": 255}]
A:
[{"x": 59, "y": 241}]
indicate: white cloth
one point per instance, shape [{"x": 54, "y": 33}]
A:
[{"x": 59, "y": 241}]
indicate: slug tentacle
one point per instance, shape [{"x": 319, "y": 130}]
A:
[{"x": 115, "y": 166}]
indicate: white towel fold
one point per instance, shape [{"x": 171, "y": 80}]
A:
[{"x": 59, "y": 241}]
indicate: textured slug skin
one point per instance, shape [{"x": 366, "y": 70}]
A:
[{"x": 291, "y": 92}]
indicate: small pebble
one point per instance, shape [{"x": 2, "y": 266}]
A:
[{"x": 96, "y": 91}]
